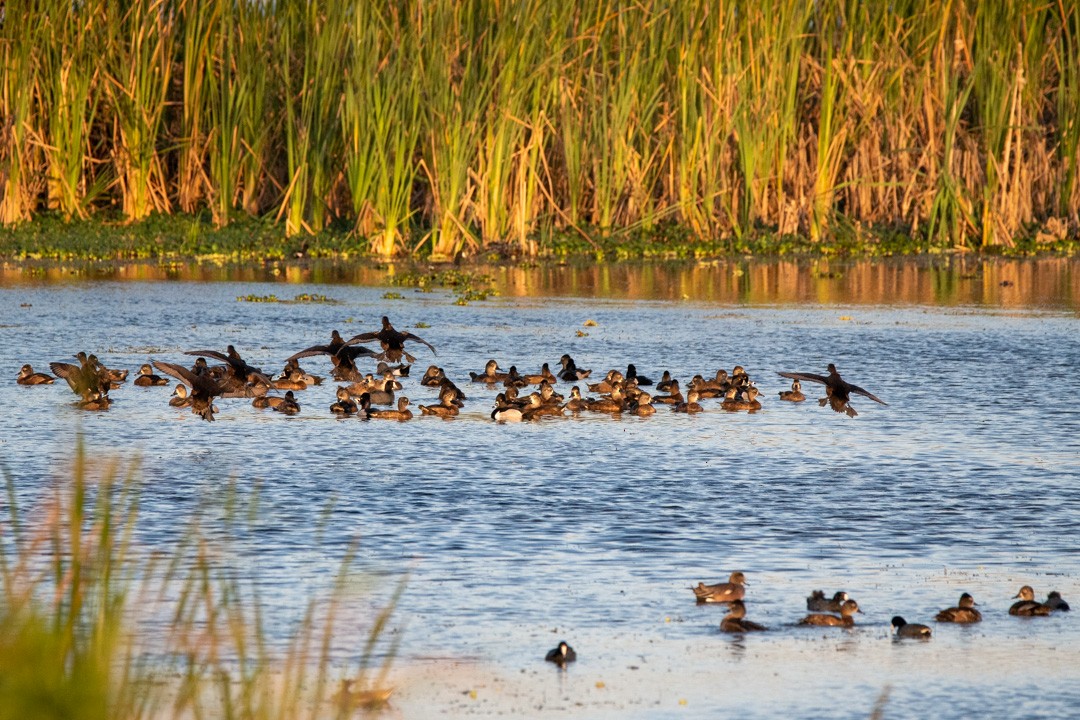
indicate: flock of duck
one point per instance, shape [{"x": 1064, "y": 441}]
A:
[
  {"x": 839, "y": 611},
  {"x": 358, "y": 393}
]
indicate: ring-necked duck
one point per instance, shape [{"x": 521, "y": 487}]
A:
[
  {"x": 817, "y": 602},
  {"x": 733, "y": 589},
  {"x": 837, "y": 390},
  {"x": 570, "y": 371},
  {"x": 795, "y": 394},
  {"x": 27, "y": 376},
  {"x": 735, "y": 621},
  {"x": 1027, "y": 606},
  {"x": 392, "y": 341},
  {"x": 1054, "y": 601},
  {"x": 344, "y": 404},
  {"x": 964, "y": 612},
  {"x": 846, "y": 619},
  {"x": 402, "y": 412},
  {"x": 203, "y": 388}
]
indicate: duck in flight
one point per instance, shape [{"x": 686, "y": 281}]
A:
[
  {"x": 392, "y": 341},
  {"x": 243, "y": 371},
  {"x": 837, "y": 390}
]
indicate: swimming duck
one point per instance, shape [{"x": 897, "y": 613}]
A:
[
  {"x": 504, "y": 411},
  {"x": 905, "y": 629},
  {"x": 392, "y": 341},
  {"x": 691, "y": 405},
  {"x": 642, "y": 405},
  {"x": 203, "y": 388},
  {"x": 846, "y": 619},
  {"x": 733, "y": 589},
  {"x": 735, "y": 622},
  {"x": 570, "y": 371},
  {"x": 446, "y": 407},
  {"x": 576, "y": 403},
  {"x": 381, "y": 392},
  {"x": 344, "y": 404},
  {"x": 611, "y": 404},
  {"x": 95, "y": 401},
  {"x": 613, "y": 379},
  {"x": 447, "y": 387},
  {"x": 490, "y": 375},
  {"x": 399, "y": 370},
  {"x": 665, "y": 382},
  {"x": 817, "y": 602},
  {"x": 1054, "y": 601},
  {"x": 632, "y": 374},
  {"x": 115, "y": 378},
  {"x": 1027, "y": 606},
  {"x": 741, "y": 400},
  {"x": 180, "y": 397},
  {"x": 288, "y": 404},
  {"x": 288, "y": 383},
  {"x": 433, "y": 376},
  {"x": 548, "y": 396},
  {"x": 561, "y": 655},
  {"x": 146, "y": 377},
  {"x": 536, "y": 408},
  {"x": 964, "y": 612},
  {"x": 514, "y": 379},
  {"x": 402, "y": 413},
  {"x": 27, "y": 376},
  {"x": 674, "y": 396},
  {"x": 703, "y": 387},
  {"x": 794, "y": 394},
  {"x": 837, "y": 390},
  {"x": 263, "y": 401},
  {"x": 544, "y": 376}
]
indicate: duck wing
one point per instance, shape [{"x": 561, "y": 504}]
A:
[
  {"x": 858, "y": 390},
  {"x": 209, "y": 353},
  {"x": 354, "y": 352},
  {"x": 409, "y": 336},
  {"x": 311, "y": 351},
  {"x": 73, "y": 374},
  {"x": 807, "y": 377},
  {"x": 197, "y": 382},
  {"x": 362, "y": 337}
]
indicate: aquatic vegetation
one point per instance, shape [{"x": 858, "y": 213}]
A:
[
  {"x": 94, "y": 624},
  {"x": 456, "y": 129},
  {"x": 303, "y": 298},
  {"x": 468, "y": 286}
]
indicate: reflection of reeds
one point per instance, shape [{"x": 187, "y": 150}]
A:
[
  {"x": 464, "y": 125},
  {"x": 94, "y": 626}
]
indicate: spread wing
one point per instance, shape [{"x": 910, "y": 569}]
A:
[
  {"x": 410, "y": 336},
  {"x": 856, "y": 389},
  {"x": 807, "y": 377},
  {"x": 362, "y": 337},
  {"x": 181, "y": 373},
  {"x": 209, "y": 353},
  {"x": 354, "y": 352},
  {"x": 71, "y": 373},
  {"x": 311, "y": 351}
]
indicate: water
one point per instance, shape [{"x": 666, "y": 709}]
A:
[{"x": 592, "y": 529}]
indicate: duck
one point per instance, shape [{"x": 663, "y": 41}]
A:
[
  {"x": 817, "y": 602},
  {"x": 344, "y": 404},
  {"x": 83, "y": 379},
  {"x": 433, "y": 376},
  {"x": 741, "y": 401},
  {"x": 576, "y": 403},
  {"x": 1027, "y": 606},
  {"x": 642, "y": 405},
  {"x": 691, "y": 405},
  {"x": 204, "y": 388},
  {"x": 837, "y": 390},
  {"x": 294, "y": 373},
  {"x": 964, "y": 612},
  {"x": 180, "y": 397},
  {"x": 347, "y": 700},
  {"x": 846, "y": 619},
  {"x": 392, "y": 341},
  {"x": 491, "y": 374},
  {"x": 665, "y": 382},
  {"x": 612, "y": 404},
  {"x": 514, "y": 379},
  {"x": 146, "y": 377},
  {"x": 243, "y": 371},
  {"x": 570, "y": 371},
  {"x": 733, "y": 589},
  {"x": 381, "y": 392},
  {"x": 336, "y": 343},
  {"x": 288, "y": 404},
  {"x": 446, "y": 408},
  {"x": 397, "y": 371},
  {"x": 1054, "y": 601},
  {"x": 632, "y": 374},
  {"x": 402, "y": 413},
  {"x": 613, "y": 379},
  {"x": 447, "y": 387},
  {"x": 504, "y": 411},
  {"x": 263, "y": 401},
  {"x": 344, "y": 362},
  {"x": 794, "y": 394},
  {"x": 561, "y": 655},
  {"x": 27, "y": 376},
  {"x": 548, "y": 396},
  {"x": 674, "y": 396},
  {"x": 537, "y": 409},
  {"x": 905, "y": 629},
  {"x": 95, "y": 401},
  {"x": 703, "y": 387},
  {"x": 735, "y": 621},
  {"x": 544, "y": 376},
  {"x": 114, "y": 377}
]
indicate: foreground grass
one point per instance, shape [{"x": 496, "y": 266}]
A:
[{"x": 93, "y": 625}]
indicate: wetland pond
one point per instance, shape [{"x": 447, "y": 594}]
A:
[{"x": 592, "y": 528}]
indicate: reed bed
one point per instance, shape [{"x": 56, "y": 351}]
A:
[
  {"x": 449, "y": 127},
  {"x": 93, "y": 624}
]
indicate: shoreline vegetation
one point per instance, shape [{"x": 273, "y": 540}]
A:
[
  {"x": 96, "y": 622},
  {"x": 445, "y": 130}
]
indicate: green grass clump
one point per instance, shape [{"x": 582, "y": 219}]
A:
[{"x": 95, "y": 625}]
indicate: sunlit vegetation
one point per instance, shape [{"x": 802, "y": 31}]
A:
[
  {"x": 453, "y": 128},
  {"x": 95, "y": 622}
]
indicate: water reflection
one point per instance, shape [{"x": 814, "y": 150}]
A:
[{"x": 946, "y": 280}]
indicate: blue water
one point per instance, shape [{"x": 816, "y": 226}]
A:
[{"x": 592, "y": 529}]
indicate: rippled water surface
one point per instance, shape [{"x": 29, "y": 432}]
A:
[{"x": 592, "y": 528}]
